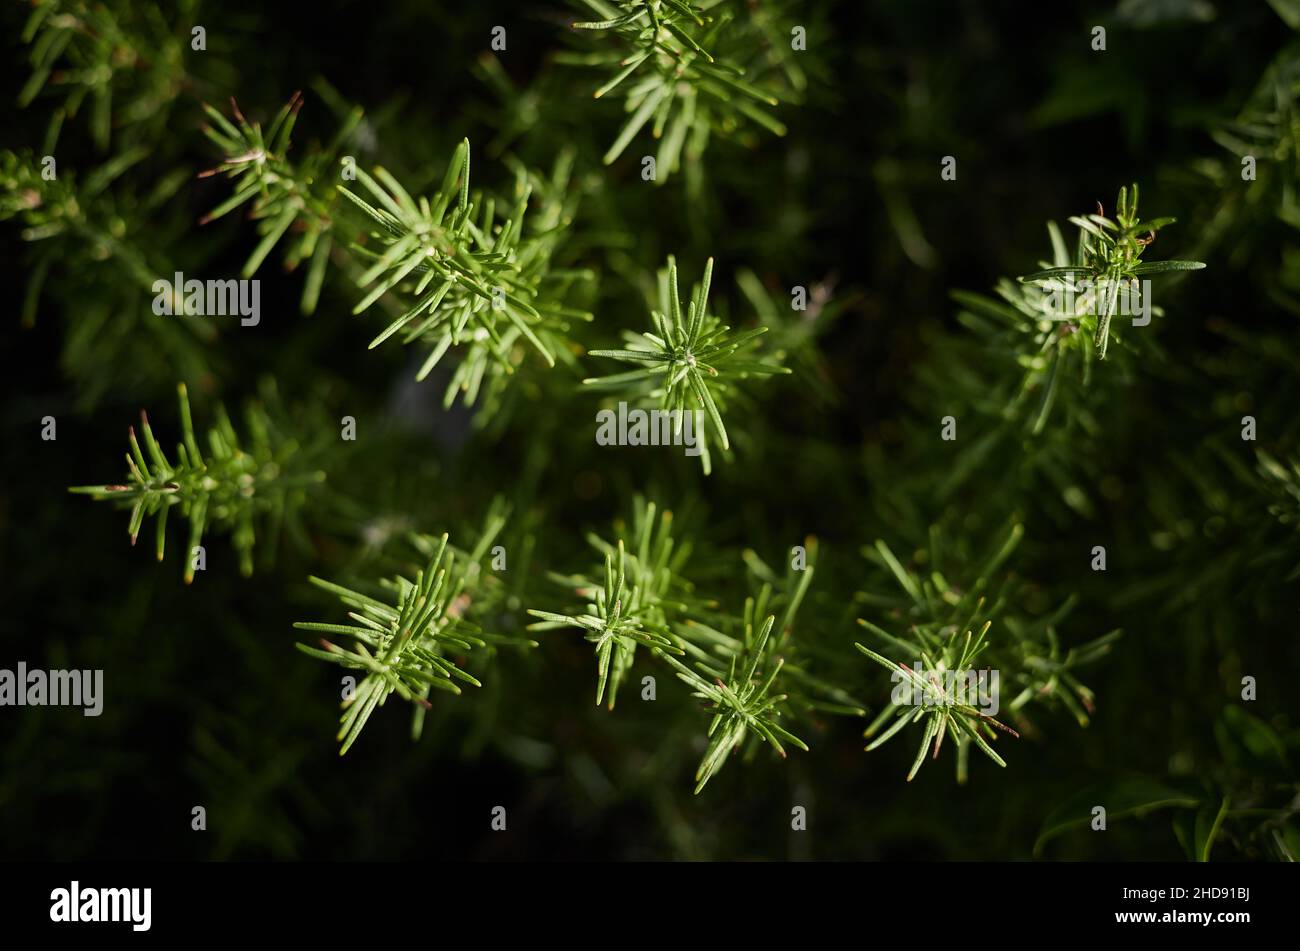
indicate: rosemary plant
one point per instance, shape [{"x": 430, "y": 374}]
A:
[
  {"x": 403, "y": 643},
  {"x": 478, "y": 279},
  {"x": 126, "y": 60},
  {"x": 284, "y": 196},
  {"x": 642, "y": 591},
  {"x": 944, "y": 708},
  {"x": 948, "y": 626},
  {"x": 735, "y": 673},
  {"x": 743, "y": 701},
  {"x": 1109, "y": 259},
  {"x": 663, "y": 66},
  {"x": 236, "y": 484},
  {"x": 731, "y": 663},
  {"x": 619, "y": 619},
  {"x": 690, "y": 362},
  {"x": 77, "y": 226},
  {"x": 992, "y": 454}
]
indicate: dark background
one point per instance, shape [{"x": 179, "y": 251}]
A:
[{"x": 208, "y": 703}]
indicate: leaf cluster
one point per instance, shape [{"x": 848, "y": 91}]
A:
[
  {"x": 231, "y": 486},
  {"x": 409, "y": 642},
  {"x": 947, "y": 625},
  {"x": 479, "y": 277},
  {"x": 1109, "y": 256},
  {"x": 687, "y": 70},
  {"x": 286, "y": 196},
  {"x": 735, "y": 665},
  {"x": 690, "y": 362}
]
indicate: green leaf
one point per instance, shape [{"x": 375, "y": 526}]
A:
[
  {"x": 1208, "y": 820},
  {"x": 1056, "y": 273},
  {"x": 1250, "y": 744},
  {"x": 1162, "y": 267},
  {"x": 633, "y": 126},
  {"x": 1135, "y": 796}
]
